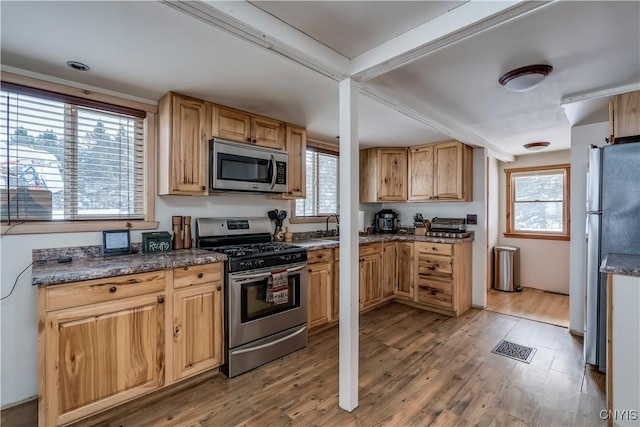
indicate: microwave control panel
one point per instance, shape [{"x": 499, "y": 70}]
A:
[{"x": 281, "y": 172}]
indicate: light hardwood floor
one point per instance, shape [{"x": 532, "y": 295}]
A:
[
  {"x": 532, "y": 304},
  {"x": 416, "y": 368}
]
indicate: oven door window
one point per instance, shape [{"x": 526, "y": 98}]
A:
[
  {"x": 254, "y": 303},
  {"x": 241, "y": 168}
]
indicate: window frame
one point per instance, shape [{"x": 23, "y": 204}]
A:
[
  {"x": 511, "y": 231},
  {"x": 321, "y": 147},
  {"x": 73, "y": 226}
]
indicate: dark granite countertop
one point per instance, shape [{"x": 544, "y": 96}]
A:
[
  {"x": 45, "y": 273},
  {"x": 315, "y": 244},
  {"x": 622, "y": 264}
]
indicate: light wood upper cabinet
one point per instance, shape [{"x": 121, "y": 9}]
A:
[
  {"x": 405, "y": 268},
  {"x": 389, "y": 269},
  {"x": 319, "y": 293},
  {"x": 441, "y": 172},
  {"x": 296, "y": 146},
  {"x": 239, "y": 126},
  {"x": 383, "y": 174},
  {"x": 421, "y": 173},
  {"x": 183, "y": 133},
  {"x": 624, "y": 115},
  {"x": 101, "y": 355}
]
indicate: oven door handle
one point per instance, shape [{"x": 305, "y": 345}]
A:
[
  {"x": 278, "y": 341},
  {"x": 243, "y": 279},
  {"x": 294, "y": 269}
]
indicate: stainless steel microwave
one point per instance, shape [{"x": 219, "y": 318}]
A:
[{"x": 235, "y": 166}]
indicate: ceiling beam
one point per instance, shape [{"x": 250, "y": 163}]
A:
[
  {"x": 437, "y": 121},
  {"x": 466, "y": 20},
  {"x": 601, "y": 93},
  {"x": 256, "y": 26}
]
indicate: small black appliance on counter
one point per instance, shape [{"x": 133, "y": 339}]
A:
[
  {"x": 448, "y": 225},
  {"x": 386, "y": 221}
]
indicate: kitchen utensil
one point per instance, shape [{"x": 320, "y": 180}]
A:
[
  {"x": 288, "y": 236},
  {"x": 273, "y": 215},
  {"x": 281, "y": 216}
]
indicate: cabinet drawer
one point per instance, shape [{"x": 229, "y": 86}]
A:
[
  {"x": 435, "y": 248},
  {"x": 436, "y": 293},
  {"x": 103, "y": 290},
  {"x": 434, "y": 265},
  {"x": 370, "y": 249},
  {"x": 322, "y": 255},
  {"x": 197, "y": 274}
]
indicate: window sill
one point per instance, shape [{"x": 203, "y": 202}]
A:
[
  {"x": 76, "y": 226},
  {"x": 538, "y": 236}
]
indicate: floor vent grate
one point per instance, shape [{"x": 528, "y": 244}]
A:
[{"x": 514, "y": 351}]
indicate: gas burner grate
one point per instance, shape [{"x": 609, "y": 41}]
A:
[{"x": 514, "y": 351}]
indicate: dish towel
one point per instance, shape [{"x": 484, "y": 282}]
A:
[{"x": 278, "y": 289}]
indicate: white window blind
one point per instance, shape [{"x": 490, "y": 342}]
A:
[
  {"x": 322, "y": 185},
  {"x": 67, "y": 159}
]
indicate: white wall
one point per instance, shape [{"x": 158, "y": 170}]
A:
[
  {"x": 581, "y": 138},
  {"x": 460, "y": 210},
  {"x": 493, "y": 213},
  {"x": 544, "y": 264}
]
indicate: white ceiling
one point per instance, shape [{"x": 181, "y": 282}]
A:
[{"x": 144, "y": 49}]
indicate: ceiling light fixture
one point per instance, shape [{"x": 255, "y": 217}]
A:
[
  {"x": 536, "y": 146},
  {"x": 79, "y": 66},
  {"x": 525, "y": 78}
]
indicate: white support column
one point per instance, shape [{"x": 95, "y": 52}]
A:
[{"x": 349, "y": 271}]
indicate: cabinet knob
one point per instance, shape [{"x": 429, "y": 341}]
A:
[
  {"x": 203, "y": 188},
  {"x": 254, "y": 140},
  {"x": 160, "y": 299},
  {"x": 200, "y": 275},
  {"x": 248, "y": 139},
  {"x": 219, "y": 287},
  {"x": 113, "y": 289}
]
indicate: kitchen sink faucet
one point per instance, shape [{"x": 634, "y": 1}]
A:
[{"x": 337, "y": 225}]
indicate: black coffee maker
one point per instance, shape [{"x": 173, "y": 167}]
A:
[{"x": 385, "y": 221}]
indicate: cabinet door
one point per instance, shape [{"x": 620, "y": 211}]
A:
[
  {"x": 297, "y": 167},
  {"x": 102, "y": 355},
  {"x": 392, "y": 178},
  {"x": 626, "y": 114},
  {"x": 267, "y": 132},
  {"x": 421, "y": 173},
  {"x": 389, "y": 268},
  {"x": 405, "y": 270},
  {"x": 448, "y": 170},
  {"x": 232, "y": 124},
  {"x": 319, "y": 293},
  {"x": 370, "y": 283},
  {"x": 197, "y": 329},
  {"x": 189, "y": 146}
]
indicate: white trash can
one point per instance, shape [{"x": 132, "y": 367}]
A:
[{"x": 506, "y": 275}]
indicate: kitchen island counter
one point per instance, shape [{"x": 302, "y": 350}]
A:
[
  {"x": 87, "y": 263},
  {"x": 622, "y": 264}
]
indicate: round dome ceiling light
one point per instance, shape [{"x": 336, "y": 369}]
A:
[
  {"x": 536, "y": 146},
  {"x": 525, "y": 78},
  {"x": 79, "y": 66}
]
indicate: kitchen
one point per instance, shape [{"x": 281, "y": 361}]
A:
[{"x": 231, "y": 205}]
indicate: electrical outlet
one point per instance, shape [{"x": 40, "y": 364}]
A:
[{"x": 472, "y": 219}]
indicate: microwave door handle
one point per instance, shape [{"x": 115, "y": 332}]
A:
[{"x": 274, "y": 171}]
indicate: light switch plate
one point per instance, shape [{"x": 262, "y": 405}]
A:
[{"x": 472, "y": 219}]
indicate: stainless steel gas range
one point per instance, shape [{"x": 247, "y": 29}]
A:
[{"x": 265, "y": 291}]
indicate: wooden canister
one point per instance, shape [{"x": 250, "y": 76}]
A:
[
  {"x": 177, "y": 232},
  {"x": 187, "y": 241}
]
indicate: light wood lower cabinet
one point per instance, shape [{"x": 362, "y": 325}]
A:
[
  {"x": 197, "y": 330},
  {"x": 443, "y": 276},
  {"x": 370, "y": 275},
  {"x": 335, "y": 303},
  {"x": 106, "y": 341},
  {"x": 389, "y": 269},
  {"x": 319, "y": 293},
  {"x": 405, "y": 267}
]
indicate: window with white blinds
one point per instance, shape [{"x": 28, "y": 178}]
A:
[
  {"x": 63, "y": 158},
  {"x": 322, "y": 185}
]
